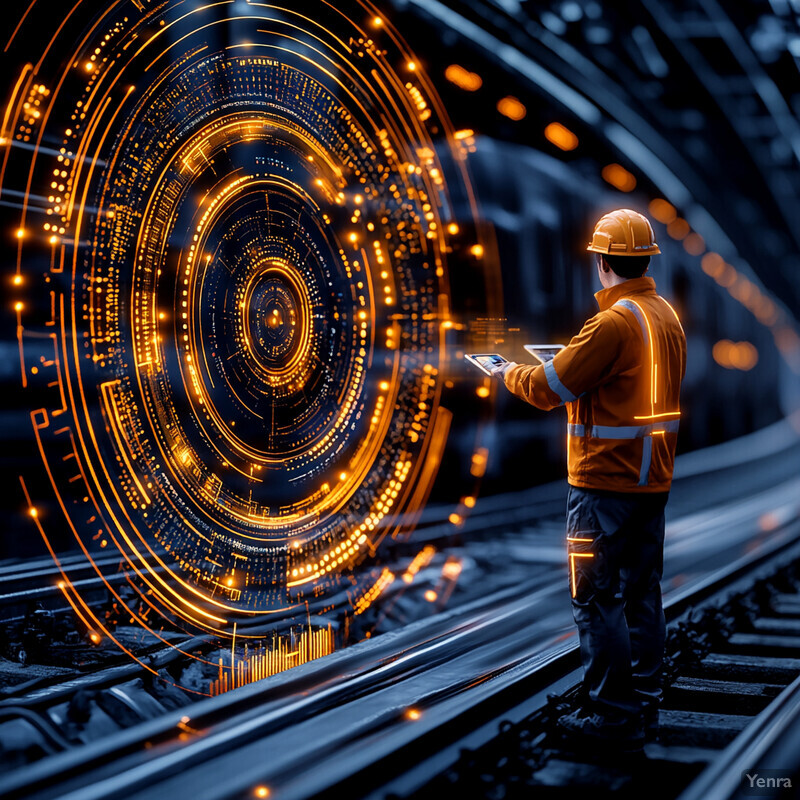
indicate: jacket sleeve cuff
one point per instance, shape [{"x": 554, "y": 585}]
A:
[{"x": 508, "y": 374}]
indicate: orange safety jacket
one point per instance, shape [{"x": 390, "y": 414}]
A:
[{"x": 620, "y": 379}]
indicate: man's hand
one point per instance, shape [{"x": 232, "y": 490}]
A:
[{"x": 500, "y": 370}]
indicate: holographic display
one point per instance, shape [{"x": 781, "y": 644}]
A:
[{"x": 252, "y": 214}]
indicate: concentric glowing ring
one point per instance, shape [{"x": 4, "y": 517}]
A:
[
  {"x": 254, "y": 299},
  {"x": 276, "y": 321}
]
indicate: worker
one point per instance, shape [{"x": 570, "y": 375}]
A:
[{"x": 620, "y": 380}]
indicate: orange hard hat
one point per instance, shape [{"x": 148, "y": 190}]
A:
[{"x": 624, "y": 233}]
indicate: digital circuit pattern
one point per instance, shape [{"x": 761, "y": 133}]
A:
[{"x": 250, "y": 224}]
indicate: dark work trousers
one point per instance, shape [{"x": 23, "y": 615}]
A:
[{"x": 616, "y": 555}]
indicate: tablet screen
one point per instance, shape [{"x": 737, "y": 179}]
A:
[
  {"x": 486, "y": 361},
  {"x": 544, "y": 352}
]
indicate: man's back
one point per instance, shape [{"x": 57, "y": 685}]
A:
[{"x": 620, "y": 379}]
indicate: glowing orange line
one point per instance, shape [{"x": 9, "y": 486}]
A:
[
  {"x": 180, "y": 19},
  {"x": 12, "y": 99},
  {"x": 66, "y": 581},
  {"x": 572, "y": 557},
  {"x": 37, "y": 427},
  {"x": 19, "y": 25},
  {"x": 653, "y": 365},
  {"x": 149, "y": 571},
  {"x": 113, "y": 423},
  {"x": 62, "y": 585},
  {"x": 655, "y": 383},
  {"x": 7, "y": 132},
  {"x": 21, "y": 350},
  {"x": 52, "y": 104},
  {"x": 438, "y": 384},
  {"x": 672, "y": 310}
]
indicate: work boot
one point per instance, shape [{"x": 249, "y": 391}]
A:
[{"x": 616, "y": 732}]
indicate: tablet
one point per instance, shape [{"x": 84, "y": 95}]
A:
[
  {"x": 485, "y": 361},
  {"x": 544, "y": 352}
]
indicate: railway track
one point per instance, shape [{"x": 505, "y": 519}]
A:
[
  {"x": 432, "y": 687},
  {"x": 386, "y": 714},
  {"x": 732, "y": 697}
]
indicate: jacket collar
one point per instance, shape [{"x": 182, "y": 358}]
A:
[{"x": 634, "y": 286}]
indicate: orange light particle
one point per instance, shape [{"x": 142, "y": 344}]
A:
[
  {"x": 377, "y": 22},
  {"x": 482, "y": 391},
  {"x": 18, "y": 306},
  {"x": 452, "y": 229},
  {"x": 479, "y": 459},
  {"x": 476, "y": 250},
  {"x": 619, "y": 177},
  {"x": 735, "y": 355},
  {"x": 512, "y": 108},
  {"x": 464, "y": 134},
  {"x": 88, "y": 66},
  {"x": 384, "y": 386},
  {"x": 694, "y": 244},
  {"x": 342, "y": 476},
  {"x": 463, "y": 78},
  {"x": 53, "y": 240},
  {"x": 721, "y": 352},
  {"x": 20, "y": 233},
  {"x": 678, "y": 229},
  {"x": 712, "y": 264},
  {"x": 17, "y": 280},
  {"x": 413, "y": 713},
  {"x": 452, "y": 569},
  {"x": 94, "y": 637},
  {"x": 33, "y": 512},
  {"x": 744, "y": 356},
  {"x": 455, "y": 518},
  {"x": 663, "y": 211},
  {"x": 431, "y": 596},
  {"x": 561, "y": 136},
  {"x": 411, "y": 66}
]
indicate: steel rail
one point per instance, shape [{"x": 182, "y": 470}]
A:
[
  {"x": 454, "y": 709},
  {"x": 761, "y": 745}
]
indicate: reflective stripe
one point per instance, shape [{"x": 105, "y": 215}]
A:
[
  {"x": 644, "y": 431},
  {"x": 647, "y": 454},
  {"x": 631, "y": 432},
  {"x": 625, "y": 431},
  {"x": 639, "y": 318},
  {"x": 555, "y": 384}
]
